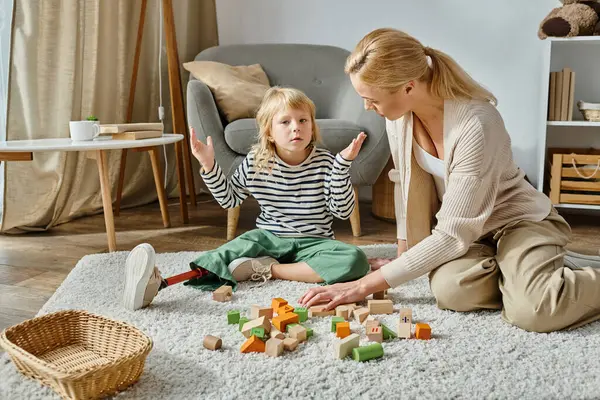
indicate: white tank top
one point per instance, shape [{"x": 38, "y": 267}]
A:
[{"x": 432, "y": 165}]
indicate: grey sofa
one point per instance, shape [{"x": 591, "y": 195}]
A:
[{"x": 316, "y": 70}]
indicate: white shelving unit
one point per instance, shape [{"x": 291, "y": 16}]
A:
[{"x": 582, "y": 55}]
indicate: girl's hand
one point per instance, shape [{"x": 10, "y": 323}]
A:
[
  {"x": 333, "y": 295},
  {"x": 350, "y": 152},
  {"x": 204, "y": 153}
]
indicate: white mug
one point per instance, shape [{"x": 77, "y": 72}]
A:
[{"x": 84, "y": 130}]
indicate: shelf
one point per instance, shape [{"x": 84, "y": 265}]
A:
[
  {"x": 576, "y": 39},
  {"x": 574, "y": 123},
  {"x": 579, "y": 206}
]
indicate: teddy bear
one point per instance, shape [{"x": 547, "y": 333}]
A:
[{"x": 574, "y": 18}]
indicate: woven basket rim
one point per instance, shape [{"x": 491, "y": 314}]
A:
[{"x": 59, "y": 373}]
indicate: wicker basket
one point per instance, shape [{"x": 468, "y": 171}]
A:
[
  {"x": 590, "y": 111},
  {"x": 78, "y": 354}
]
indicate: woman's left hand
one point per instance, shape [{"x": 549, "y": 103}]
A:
[
  {"x": 333, "y": 295},
  {"x": 350, "y": 152}
]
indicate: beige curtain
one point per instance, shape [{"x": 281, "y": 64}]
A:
[{"x": 73, "y": 58}]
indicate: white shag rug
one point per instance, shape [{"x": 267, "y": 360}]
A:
[{"x": 471, "y": 355}]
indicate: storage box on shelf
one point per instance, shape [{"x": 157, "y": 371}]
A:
[{"x": 575, "y": 176}]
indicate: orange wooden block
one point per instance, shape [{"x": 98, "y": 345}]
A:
[
  {"x": 278, "y": 302},
  {"x": 422, "y": 331},
  {"x": 254, "y": 344},
  {"x": 283, "y": 320},
  {"x": 342, "y": 329},
  {"x": 285, "y": 309}
]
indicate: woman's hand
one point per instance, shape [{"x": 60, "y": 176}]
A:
[
  {"x": 333, "y": 295},
  {"x": 350, "y": 152},
  {"x": 204, "y": 153}
]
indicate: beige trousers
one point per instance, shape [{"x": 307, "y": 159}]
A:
[{"x": 522, "y": 270}]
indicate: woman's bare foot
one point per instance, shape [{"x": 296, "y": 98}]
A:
[{"x": 377, "y": 263}]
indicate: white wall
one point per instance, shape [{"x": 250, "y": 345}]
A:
[
  {"x": 494, "y": 40},
  {"x": 6, "y": 10}
]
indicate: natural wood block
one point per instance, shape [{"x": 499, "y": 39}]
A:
[
  {"x": 275, "y": 333},
  {"x": 256, "y": 323},
  {"x": 370, "y": 322},
  {"x": 375, "y": 334},
  {"x": 343, "y": 312},
  {"x": 257, "y": 311},
  {"x": 361, "y": 314},
  {"x": 342, "y": 329},
  {"x": 290, "y": 344},
  {"x": 343, "y": 348},
  {"x": 285, "y": 309},
  {"x": 318, "y": 311},
  {"x": 224, "y": 293},
  {"x": 381, "y": 306},
  {"x": 253, "y": 344},
  {"x": 212, "y": 342},
  {"x": 422, "y": 331},
  {"x": 282, "y": 321},
  {"x": 298, "y": 332},
  {"x": 274, "y": 347},
  {"x": 380, "y": 295},
  {"x": 404, "y": 330},
  {"x": 278, "y": 302},
  {"x": 406, "y": 315}
]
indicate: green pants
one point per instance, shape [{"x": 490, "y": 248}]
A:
[{"x": 334, "y": 261}]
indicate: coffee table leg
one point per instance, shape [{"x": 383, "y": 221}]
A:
[
  {"x": 160, "y": 190},
  {"x": 106, "y": 200}
]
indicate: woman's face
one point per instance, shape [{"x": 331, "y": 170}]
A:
[{"x": 389, "y": 105}]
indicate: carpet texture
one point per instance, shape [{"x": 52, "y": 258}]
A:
[{"x": 471, "y": 355}]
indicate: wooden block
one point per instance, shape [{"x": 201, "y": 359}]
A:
[
  {"x": 422, "y": 331},
  {"x": 137, "y": 135},
  {"x": 318, "y": 311},
  {"x": 302, "y": 313},
  {"x": 253, "y": 344},
  {"x": 278, "y": 302},
  {"x": 387, "y": 333},
  {"x": 369, "y": 352},
  {"x": 375, "y": 334},
  {"x": 258, "y": 311},
  {"x": 381, "y": 307},
  {"x": 274, "y": 347},
  {"x": 243, "y": 320},
  {"x": 335, "y": 321},
  {"x": 255, "y": 323},
  {"x": 361, "y": 314},
  {"x": 404, "y": 329},
  {"x": 298, "y": 332},
  {"x": 343, "y": 348},
  {"x": 285, "y": 309},
  {"x": 406, "y": 315},
  {"x": 290, "y": 344},
  {"x": 380, "y": 295},
  {"x": 212, "y": 342},
  {"x": 342, "y": 312},
  {"x": 370, "y": 320},
  {"x": 282, "y": 321},
  {"x": 342, "y": 329},
  {"x": 233, "y": 317},
  {"x": 259, "y": 332},
  {"x": 223, "y": 293}
]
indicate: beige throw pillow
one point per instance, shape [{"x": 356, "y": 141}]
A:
[{"x": 238, "y": 90}]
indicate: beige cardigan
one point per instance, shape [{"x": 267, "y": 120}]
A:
[{"x": 485, "y": 189}]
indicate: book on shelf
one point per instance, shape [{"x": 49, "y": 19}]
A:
[
  {"x": 561, "y": 95},
  {"x": 108, "y": 129},
  {"x": 137, "y": 135}
]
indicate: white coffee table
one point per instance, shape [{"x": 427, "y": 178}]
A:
[{"x": 22, "y": 150}]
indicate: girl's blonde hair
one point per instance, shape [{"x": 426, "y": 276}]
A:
[
  {"x": 275, "y": 100},
  {"x": 388, "y": 59}
]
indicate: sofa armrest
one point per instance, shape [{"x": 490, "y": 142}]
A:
[{"x": 203, "y": 116}]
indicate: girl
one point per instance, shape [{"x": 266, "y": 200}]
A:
[
  {"x": 497, "y": 243},
  {"x": 299, "y": 188}
]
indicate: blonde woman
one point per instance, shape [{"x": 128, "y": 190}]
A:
[
  {"x": 299, "y": 188},
  {"x": 465, "y": 213}
]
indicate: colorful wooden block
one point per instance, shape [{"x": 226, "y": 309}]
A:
[
  {"x": 319, "y": 311},
  {"x": 406, "y": 315},
  {"x": 335, "y": 321},
  {"x": 290, "y": 344},
  {"x": 285, "y": 309},
  {"x": 253, "y": 344},
  {"x": 380, "y": 307},
  {"x": 259, "y": 332},
  {"x": 255, "y": 323},
  {"x": 404, "y": 330},
  {"x": 243, "y": 320},
  {"x": 278, "y": 302},
  {"x": 287, "y": 328},
  {"x": 309, "y": 331},
  {"x": 275, "y": 333},
  {"x": 375, "y": 334},
  {"x": 365, "y": 353},
  {"x": 342, "y": 329},
  {"x": 298, "y": 332},
  {"x": 212, "y": 342},
  {"x": 282, "y": 321},
  {"x": 422, "y": 331},
  {"x": 361, "y": 314},
  {"x": 274, "y": 347},
  {"x": 223, "y": 293},
  {"x": 343, "y": 312},
  {"x": 387, "y": 333},
  {"x": 257, "y": 311},
  {"x": 233, "y": 317},
  {"x": 302, "y": 313},
  {"x": 343, "y": 348}
]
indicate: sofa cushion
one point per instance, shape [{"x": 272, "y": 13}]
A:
[
  {"x": 237, "y": 90},
  {"x": 337, "y": 134}
]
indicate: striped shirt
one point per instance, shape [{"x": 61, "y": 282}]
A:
[{"x": 295, "y": 200}]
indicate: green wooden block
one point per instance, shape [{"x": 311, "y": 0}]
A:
[
  {"x": 387, "y": 333},
  {"x": 259, "y": 332},
  {"x": 302, "y": 313},
  {"x": 287, "y": 327},
  {"x": 243, "y": 320},
  {"x": 365, "y": 353},
  {"x": 309, "y": 331},
  {"x": 335, "y": 321},
  {"x": 233, "y": 317}
]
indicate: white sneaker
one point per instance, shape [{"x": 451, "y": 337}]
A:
[
  {"x": 142, "y": 278},
  {"x": 254, "y": 269}
]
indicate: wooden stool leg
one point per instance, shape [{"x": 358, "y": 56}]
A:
[
  {"x": 160, "y": 190},
  {"x": 181, "y": 178},
  {"x": 233, "y": 215},
  {"x": 121, "y": 180},
  {"x": 355, "y": 216},
  {"x": 106, "y": 200}
]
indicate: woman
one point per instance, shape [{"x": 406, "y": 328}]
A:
[{"x": 465, "y": 213}]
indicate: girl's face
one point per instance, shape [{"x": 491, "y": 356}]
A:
[
  {"x": 291, "y": 131},
  {"x": 389, "y": 105}
]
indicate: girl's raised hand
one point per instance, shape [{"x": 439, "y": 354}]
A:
[
  {"x": 350, "y": 152},
  {"x": 204, "y": 153}
]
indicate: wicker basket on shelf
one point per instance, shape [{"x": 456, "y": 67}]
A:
[
  {"x": 78, "y": 354},
  {"x": 590, "y": 111}
]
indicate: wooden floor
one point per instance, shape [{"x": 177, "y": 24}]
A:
[{"x": 33, "y": 265}]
